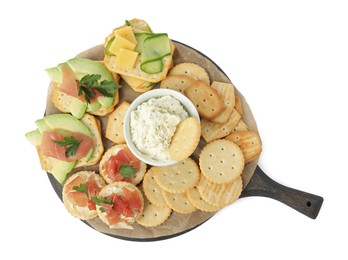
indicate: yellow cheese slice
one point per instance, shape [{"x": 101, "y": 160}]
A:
[
  {"x": 127, "y": 33},
  {"x": 126, "y": 58},
  {"x": 121, "y": 43}
]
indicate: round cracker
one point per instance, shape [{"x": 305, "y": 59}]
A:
[
  {"x": 138, "y": 176},
  {"x": 192, "y": 70},
  {"x": 153, "y": 215},
  {"x": 221, "y": 161},
  {"x": 196, "y": 199},
  {"x": 82, "y": 213},
  {"x": 185, "y": 139},
  {"x": 178, "y": 177},
  {"x": 177, "y": 82},
  {"x": 220, "y": 195},
  {"x": 179, "y": 202},
  {"x": 152, "y": 190}
]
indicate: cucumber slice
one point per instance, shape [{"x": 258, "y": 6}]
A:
[
  {"x": 153, "y": 67},
  {"x": 107, "y": 47},
  {"x": 154, "y": 49},
  {"x": 140, "y": 40}
]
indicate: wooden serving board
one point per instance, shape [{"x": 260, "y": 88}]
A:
[{"x": 255, "y": 182}]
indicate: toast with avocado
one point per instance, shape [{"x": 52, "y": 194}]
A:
[
  {"x": 64, "y": 142},
  {"x": 82, "y": 85},
  {"x": 141, "y": 57}
]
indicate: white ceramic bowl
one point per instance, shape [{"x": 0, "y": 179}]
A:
[{"x": 155, "y": 93}]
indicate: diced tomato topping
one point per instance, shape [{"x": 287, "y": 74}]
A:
[
  {"x": 51, "y": 149},
  {"x": 114, "y": 162}
]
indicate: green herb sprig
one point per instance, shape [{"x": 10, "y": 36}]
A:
[
  {"x": 72, "y": 144},
  {"x": 126, "y": 170},
  {"x": 90, "y": 82}
]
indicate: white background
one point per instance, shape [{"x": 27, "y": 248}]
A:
[{"x": 288, "y": 58}]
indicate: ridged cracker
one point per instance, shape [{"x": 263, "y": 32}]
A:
[
  {"x": 221, "y": 161},
  {"x": 196, "y": 199},
  {"x": 226, "y": 92},
  {"x": 152, "y": 190},
  {"x": 192, "y": 70},
  {"x": 179, "y": 202},
  {"x": 114, "y": 128},
  {"x": 249, "y": 142},
  {"x": 185, "y": 139},
  {"x": 153, "y": 215},
  {"x": 220, "y": 195},
  {"x": 178, "y": 177},
  {"x": 177, "y": 82},
  {"x": 212, "y": 131}
]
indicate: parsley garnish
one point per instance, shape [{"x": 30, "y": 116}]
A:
[
  {"x": 90, "y": 82},
  {"x": 81, "y": 188},
  {"x": 72, "y": 144},
  {"x": 126, "y": 170},
  {"x": 102, "y": 200},
  {"x": 127, "y": 23}
]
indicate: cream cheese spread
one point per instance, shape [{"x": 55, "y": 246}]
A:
[{"x": 153, "y": 124}]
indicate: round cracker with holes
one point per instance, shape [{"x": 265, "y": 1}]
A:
[
  {"x": 177, "y": 82},
  {"x": 153, "y": 215},
  {"x": 153, "y": 192},
  {"x": 178, "y": 177},
  {"x": 185, "y": 139},
  {"x": 220, "y": 195},
  {"x": 179, "y": 202},
  {"x": 192, "y": 70},
  {"x": 221, "y": 161}
]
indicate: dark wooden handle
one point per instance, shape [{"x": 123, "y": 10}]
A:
[{"x": 262, "y": 185}]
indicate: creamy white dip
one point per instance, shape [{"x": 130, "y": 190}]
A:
[{"x": 153, "y": 124}]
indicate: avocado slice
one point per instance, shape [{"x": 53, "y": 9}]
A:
[
  {"x": 106, "y": 102},
  {"x": 42, "y": 126},
  {"x": 77, "y": 107},
  {"x": 82, "y": 67},
  {"x": 66, "y": 122},
  {"x": 34, "y": 137},
  {"x": 61, "y": 168},
  {"x": 55, "y": 73},
  {"x": 93, "y": 106}
]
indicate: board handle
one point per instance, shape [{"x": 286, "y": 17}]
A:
[{"x": 262, "y": 185}]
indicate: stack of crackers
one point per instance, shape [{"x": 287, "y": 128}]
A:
[{"x": 212, "y": 182}]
